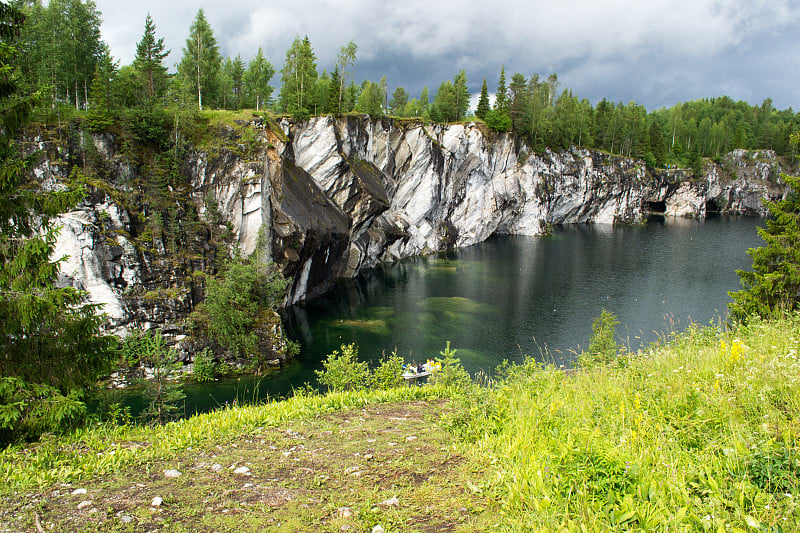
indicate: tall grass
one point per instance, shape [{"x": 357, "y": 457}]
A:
[{"x": 697, "y": 434}]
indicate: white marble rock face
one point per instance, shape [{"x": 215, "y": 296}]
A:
[{"x": 404, "y": 190}]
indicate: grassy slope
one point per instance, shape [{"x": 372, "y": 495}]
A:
[{"x": 700, "y": 434}]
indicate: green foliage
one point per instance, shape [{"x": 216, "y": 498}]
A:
[
  {"x": 50, "y": 337},
  {"x": 257, "y": 90},
  {"x": 774, "y": 284},
  {"x": 116, "y": 414},
  {"x": 775, "y": 467},
  {"x": 200, "y": 66},
  {"x": 62, "y": 46},
  {"x": 235, "y": 301},
  {"x": 397, "y": 104},
  {"x": 29, "y": 409},
  {"x": 148, "y": 64},
  {"x": 161, "y": 392},
  {"x": 102, "y": 108},
  {"x": 603, "y": 347},
  {"x": 498, "y": 120},
  {"x": 342, "y": 371},
  {"x": 651, "y": 446},
  {"x": 501, "y": 97},
  {"x": 344, "y": 59},
  {"x": 483, "y": 102},
  {"x": 452, "y": 374},
  {"x": 298, "y": 77},
  {"x": 389, "y": 373},
  {"x": 370, "y": 99},
  {"x": 204, "y": 366}
]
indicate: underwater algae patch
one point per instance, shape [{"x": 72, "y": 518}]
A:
[
  {"x": 379, "y": 312},
  {"x": 453, "y": 266},
  {"x": 455, "y": 304},
  {"x": 375, "y": 326}
]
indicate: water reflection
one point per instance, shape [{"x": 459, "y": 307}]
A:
[{"x": 513, "y": 296}]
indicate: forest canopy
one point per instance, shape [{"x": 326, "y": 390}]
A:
[{"x": 63, "y": 53}]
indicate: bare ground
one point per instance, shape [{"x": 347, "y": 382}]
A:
[{"x": 388, "y": 464}]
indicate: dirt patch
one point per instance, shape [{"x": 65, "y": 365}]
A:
[{"x": 389, "y": 464}]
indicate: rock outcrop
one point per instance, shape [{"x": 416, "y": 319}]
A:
[{"x": 329, "y": 197}]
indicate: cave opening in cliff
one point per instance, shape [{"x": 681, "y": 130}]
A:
[
  {"x": 655, "y": 207},
  {"x": 712, "y": 208}
]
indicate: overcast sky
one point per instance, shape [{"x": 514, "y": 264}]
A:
[{"x": 656, "y": 52}]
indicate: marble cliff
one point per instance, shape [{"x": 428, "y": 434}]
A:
[{"x": 335, "y": 196}]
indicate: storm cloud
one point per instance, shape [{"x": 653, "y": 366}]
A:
[{"x": 656, "y": 53}]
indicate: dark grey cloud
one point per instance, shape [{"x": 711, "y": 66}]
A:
[{"x": 657, "y": 52}]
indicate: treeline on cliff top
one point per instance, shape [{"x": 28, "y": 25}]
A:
[{"x": 63, "y": 51}]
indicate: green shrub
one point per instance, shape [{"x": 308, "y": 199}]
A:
[
  {"x": 603, "y": 347},
  {"x": 498, "y": 120},
  {"x": 235, "y": 300},
  {"x": 343, "y": 371},
  {"x": 389, "y": 373},
  {"x": 204, "y": 366},
  {"x": 452, "y": 374},
  {"x": 775, "y": 467}
]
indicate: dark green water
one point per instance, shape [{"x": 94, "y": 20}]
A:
[{"x": 516, "y": 296}]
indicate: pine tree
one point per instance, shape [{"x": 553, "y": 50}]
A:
[
  {"x": 161, "y": 392},
  {"x": 201, "y": 63},
  {"x": 519, "y": 99},
  {"x": 49, "y": 336},
  {"x": 483, "y": 102},
  {"x": 150, "y": 54}
]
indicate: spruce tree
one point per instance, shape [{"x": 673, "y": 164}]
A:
[
  {"x": 774, "y": 284},
  {"x": 501, "y": 99},
  {"x": 334, "y": 93},
  {"x": 49, "y": 336},
  {"x": 519, "y": 100},
  {"x": 101, "y": 96},
  {"x": 483, "y": 102},
  {"x": 150, "y": 54}
]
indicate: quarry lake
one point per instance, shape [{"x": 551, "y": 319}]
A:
[{"x": 514, "y": 296}]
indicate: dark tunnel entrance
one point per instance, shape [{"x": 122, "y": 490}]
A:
[
  {"x": 654, "y": 211},
  {"x": 655, "y": 207},
  {"x": 712, "y": 209}
]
